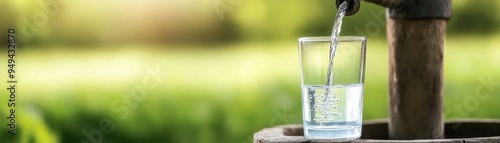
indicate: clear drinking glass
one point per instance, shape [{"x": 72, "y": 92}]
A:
[{"x": 332, "y": 111}]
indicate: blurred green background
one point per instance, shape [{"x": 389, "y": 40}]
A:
[{"x": 230, "y": 67}]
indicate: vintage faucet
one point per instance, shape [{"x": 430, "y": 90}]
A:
[{"x": 415, "y": 34}]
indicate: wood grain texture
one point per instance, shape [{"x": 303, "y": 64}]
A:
[{"x": 416, "y": 78}]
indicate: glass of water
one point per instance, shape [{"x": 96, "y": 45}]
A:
[{"x": 332, "y": 111}]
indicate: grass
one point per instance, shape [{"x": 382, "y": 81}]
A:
[{"x": 219, "y": 94}]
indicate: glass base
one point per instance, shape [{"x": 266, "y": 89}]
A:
[{"x": 346, "y": 133}]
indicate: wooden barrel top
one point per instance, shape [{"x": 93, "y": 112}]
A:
[{"x": 456, "y": 131}]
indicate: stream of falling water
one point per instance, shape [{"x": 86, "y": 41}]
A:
[{"x": 335, "y": 40}]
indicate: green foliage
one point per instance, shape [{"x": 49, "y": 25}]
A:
[{"x": 475, "y": 17}]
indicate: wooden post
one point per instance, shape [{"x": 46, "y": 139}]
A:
[
  {"x": 416, "y": 78},
  {"x": 416, "y": 32}
]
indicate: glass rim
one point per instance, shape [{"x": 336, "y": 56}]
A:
[{"x": 328, "y": 38}]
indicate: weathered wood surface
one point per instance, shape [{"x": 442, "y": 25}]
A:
[
  {"x": 416, "y": 78},
  {"x": 459, "y": 131}
]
